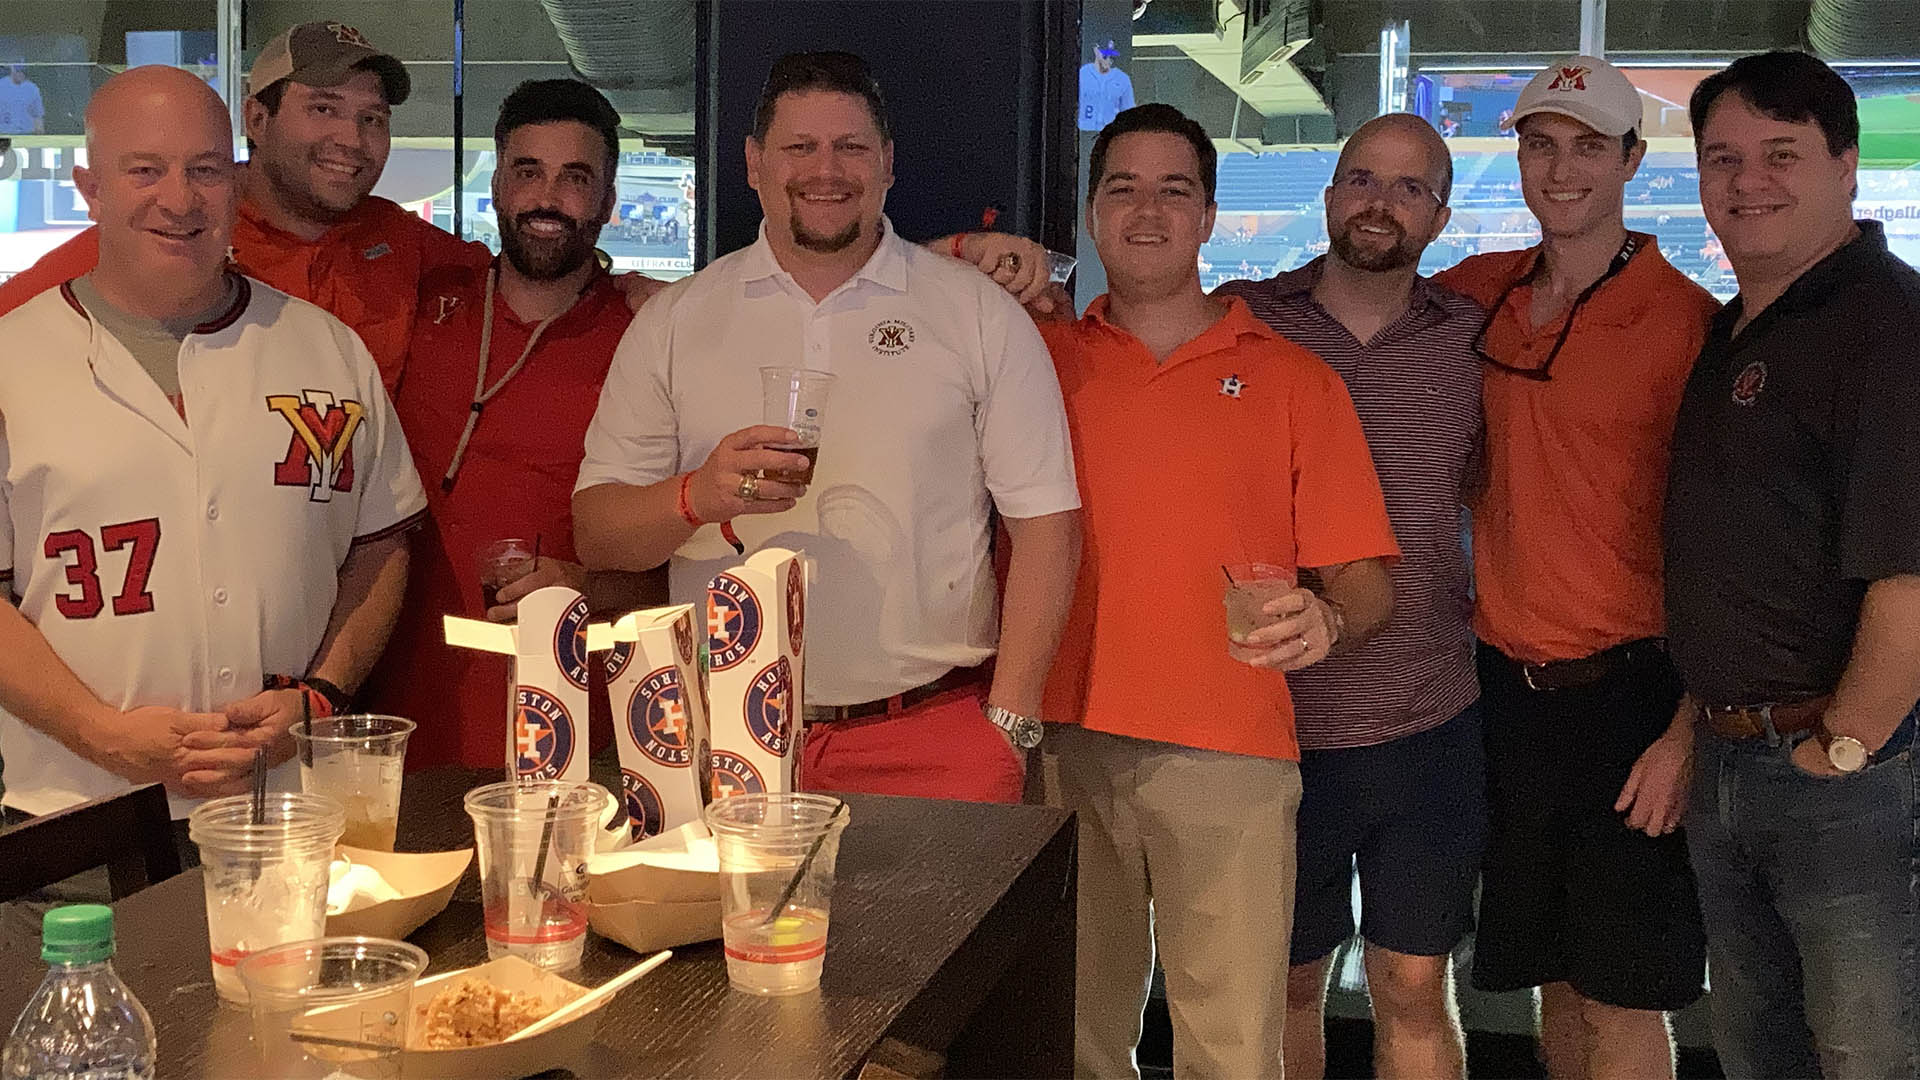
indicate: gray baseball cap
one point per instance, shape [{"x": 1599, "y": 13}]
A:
[{"x": 326, "y": 54}]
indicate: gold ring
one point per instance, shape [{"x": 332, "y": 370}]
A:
[
  {"x": 749, "y": 487},
  {"x": 1010, "y": 261}
]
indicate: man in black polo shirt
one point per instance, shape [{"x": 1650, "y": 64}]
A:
[{"x": 1793, "y": 589}]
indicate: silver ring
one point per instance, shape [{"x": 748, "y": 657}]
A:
[{"x": 749, "y": 487}]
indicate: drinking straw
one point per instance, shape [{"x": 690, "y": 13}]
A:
[
  {"x": 259, "y": 815},
  {"x": 538, "y": 885},
  {"x": 793, "y": 883}
]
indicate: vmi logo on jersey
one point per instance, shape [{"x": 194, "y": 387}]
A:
[
  {"x": 733, "y": 776},
  {"x": 646, "y": 816},
  {"x": 542, "y": 736},
  {"x": 657, "y": 719},
  {"x": 733, "y": 621},
  {"x": 570, "y": 644},
  {"x": 320, "y": 456},
  {"x": 769, "y": 711}
]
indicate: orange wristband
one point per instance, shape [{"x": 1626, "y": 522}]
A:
[
  {"x": 686, "y": 504},
  {"x": 957, "y": 239}
]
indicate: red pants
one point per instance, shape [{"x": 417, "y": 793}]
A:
[{"x": 943, "y": 748}]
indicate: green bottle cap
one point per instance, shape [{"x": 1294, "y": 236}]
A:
[{"x": 77, "y": 934}]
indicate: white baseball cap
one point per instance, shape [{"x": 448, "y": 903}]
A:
[{"x": 1585, "y": 88}]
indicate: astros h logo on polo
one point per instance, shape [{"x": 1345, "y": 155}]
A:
[
  {"x": 570, "y": 644},
  {"x": 1570, "y": 78},
  {"x": 657, "y": 718},
  {"x": 320, "y": 454},
  {"x": 733, "y": 621},
  {"x": 543, "y": 735}
]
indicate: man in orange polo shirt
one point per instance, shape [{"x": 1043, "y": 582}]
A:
[
  {"x": 1201, "y": 438},
  {"x": 1585, "y": 889}
]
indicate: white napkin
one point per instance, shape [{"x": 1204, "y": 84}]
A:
[
  {"x": 689, "y": 847},
  {"x": 352, "y": 886}
]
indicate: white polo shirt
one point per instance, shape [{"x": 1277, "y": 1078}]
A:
[
  {"x": 944, "y": 406},
  {"x": 177, "y": 562}
]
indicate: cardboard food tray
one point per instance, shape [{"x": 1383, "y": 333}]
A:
[
  {"x": 645, "y": 926},
  {"x": 551, "y": 1049},
  {"x": 425, "y": 881}
]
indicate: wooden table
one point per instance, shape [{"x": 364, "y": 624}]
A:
[{"x": 952, "y": 946}]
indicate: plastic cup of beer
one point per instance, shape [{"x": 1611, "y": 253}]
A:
[
  {"x": 1059, "y": 267},
  {"x": 266, "y": 884},
  {"x": 795, "y": 398},
  {"x": 502, "y": 563},
  {"x": 534, "y": 837},
  {"x": 357, "y": 761},
  {"x": 1249, "y": 587},
  {"x": 332, "y": 1007},
  {"x": 775, "y": 846}
]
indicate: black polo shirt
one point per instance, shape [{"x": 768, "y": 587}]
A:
[{"x": 1796, "y": 478}]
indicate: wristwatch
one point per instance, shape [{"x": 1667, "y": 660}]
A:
[
  {"x": 1025, "y": 731},
  {"x": 1844, "y": 752}
]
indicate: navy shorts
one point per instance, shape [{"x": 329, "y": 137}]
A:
[{"x": 1412, "y": 815}]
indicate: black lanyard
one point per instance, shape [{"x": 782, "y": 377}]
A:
[{"x": 1540, "y": 374}]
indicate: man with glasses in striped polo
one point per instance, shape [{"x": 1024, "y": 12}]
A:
[{"x": 1586, "y": 892}]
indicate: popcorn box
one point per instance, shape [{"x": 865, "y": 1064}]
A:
[
  {"x": 546, "y": 733},
  {"x": 660, "y": 706},
  {"x": 551, "y": 1049},
  {"x": 658, "y": 894},
  {"x": 756, "y": 616},
  {"x": 424, "y": 884}
]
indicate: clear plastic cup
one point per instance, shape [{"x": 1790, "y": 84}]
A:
[
  {"x": 266, "y": 884},
  {"x": 502, "y": 563},
  {"x": 357, "y": 761},
  {"x": 1059, "y": 267},
  {"x": 795, "y": 398},
  {"x": 766, "y": 841},
  {"x": 332, "y": 1007},
  {"x": 1250, "y": 586},
  {"x": 534, "y": 897}
]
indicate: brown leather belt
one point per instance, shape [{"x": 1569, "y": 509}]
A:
[
  {"x": 1586, "y": 670},
  {"x": 1754, "y": 721},
  {"x": 957, "y": 679}
]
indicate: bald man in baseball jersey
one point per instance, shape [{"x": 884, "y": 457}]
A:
[{"x": 203, "y": 491}]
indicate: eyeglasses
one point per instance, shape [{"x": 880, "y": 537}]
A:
[
  {"x": 1541, "y": 373},
  {"x": 1408, "y": 191}
]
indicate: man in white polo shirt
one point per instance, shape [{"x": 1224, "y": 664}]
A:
[
  {"x": 944, "y": 409},
  {"x": 203, "y": 490}
]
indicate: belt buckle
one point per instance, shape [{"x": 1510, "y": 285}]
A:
[{"x": 1526, "y": 673}]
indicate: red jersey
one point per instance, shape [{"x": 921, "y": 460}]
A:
[
  {"x": 515, "y": 480},
  {"x": 364, "y": 271}
]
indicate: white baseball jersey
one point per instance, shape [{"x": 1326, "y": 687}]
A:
[{"x": 177, "y": 562}]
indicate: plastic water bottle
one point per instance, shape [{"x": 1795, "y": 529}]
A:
[{"x": 83, "y": 1023}]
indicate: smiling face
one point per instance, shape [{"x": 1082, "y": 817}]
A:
[
  {"x": 159, "y": 179},
  {"x": 822, "y": 172},
  {"x": 1573, "y": 177},
  {"x": 1384, "y": 204},
  {"x": 1149, "y": 212},
  {"x": 1774, "y": 194},
  {"x": 551, "y": 195},
  {"x": 322, "y": 151}
]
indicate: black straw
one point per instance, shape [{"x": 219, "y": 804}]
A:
[
  {"x": 793, "y": 883},
  {"x": 259, "y": 816},
  {"x": 538, "y": 887}
]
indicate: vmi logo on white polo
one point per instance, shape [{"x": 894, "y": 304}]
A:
[{"x": 320, "y": 455}]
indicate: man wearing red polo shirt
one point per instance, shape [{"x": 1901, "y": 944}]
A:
[
  {"x": 506, "y": 364},
  {"x": 1201, "y": 438}
]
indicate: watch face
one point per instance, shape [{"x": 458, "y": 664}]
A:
[
  {"x": 1027, "y": 733},
  {"x": 1847, "y": 754}
]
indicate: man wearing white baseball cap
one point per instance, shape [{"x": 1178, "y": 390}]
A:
[{"x": 1585, "y": 889}]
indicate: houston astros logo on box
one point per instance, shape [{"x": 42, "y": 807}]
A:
[
  {"x": 769, "y": 714},
  {"x": 617, "y": 659},
  {"x": 570, "y": 644},
  {"x": 646, "y": 815},
  {"x": 542, "y": 735},
  {"x": 796, "y": 607},
  {"x": 320, "y": 457},
  {"x": 683, "y": 639},
  {"x": 657, "y": 718},
  {"x": 733, "y": 621},
  {"x": 733, "y": 776}
]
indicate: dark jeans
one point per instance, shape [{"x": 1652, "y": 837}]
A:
[{"x": 1808, "y": 886}]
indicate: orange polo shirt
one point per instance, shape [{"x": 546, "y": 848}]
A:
[
  {"x": 1241, "y": 447},
  {"x": 365, "y": 271},
  {"x": 1566, "y": 537}
]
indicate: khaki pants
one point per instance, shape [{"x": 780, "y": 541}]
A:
[{"x": 1191, "y": 851}]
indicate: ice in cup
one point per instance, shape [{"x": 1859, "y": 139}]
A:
[
  {"x": 795, "y": 398},
  {"x": 332, "y": 1007},
  {"x": 774, "y": 846},
  {"x": 357, "y": 761},
  {"x": 502, "y": 563},
  {"x": 1059, "y": 267},
  {"x": 266, "y": 884},
  {"x": 534, "y": 837},
  {"x": 1249, "y": 587}
]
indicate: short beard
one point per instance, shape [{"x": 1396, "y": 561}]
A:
[
  {"x": 1402, "y": 254},
  {"x": 290, "y": 186},
  {"x": 548, "y": 260},
  {"x": 825, "y": 245}
]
